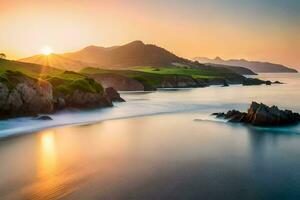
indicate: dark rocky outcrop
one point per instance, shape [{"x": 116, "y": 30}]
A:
[
  {"x": 21, "y": 95},
  {"x": 262, "y": 115},
  {"x": 118, "y": 82},
  {"x": 113, "y": 95},
  {"x": 43, "y": 117},
  {"x": 80, "y": 99},
  {"x": 179, "y": 82},
  {"x": 277, "y": 82},
  {"x": 225, "y": 84},
  {"x": 253, "y": 81}
]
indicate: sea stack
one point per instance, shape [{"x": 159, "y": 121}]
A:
[{"x": 262, "y": 115}]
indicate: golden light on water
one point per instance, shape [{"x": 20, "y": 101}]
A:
[{"x": 48, "y": 153}]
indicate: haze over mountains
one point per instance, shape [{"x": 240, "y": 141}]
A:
[
  {"x": 137, "y": 53},
  {"x": 255, "y": 66},
  {"x": 133, "y": 54}
]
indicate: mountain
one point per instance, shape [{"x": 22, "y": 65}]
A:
[
  {"x": 133, "y": 54},
  {"x": 256, "y": 66}
]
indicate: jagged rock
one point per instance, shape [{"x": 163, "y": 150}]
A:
[
  {"x": 253, "y": 81},
  {"x": 225, "y": 84},
  {"x": 268, "y": 83},
  {"x": 179, "y": 82},
  {"x": 262, "y": 115},
  {"x": 21, "y": 95},
  {"x": 43, "y": 117},
  {"x": 277, "y": 82},
  {"x": 27, "y": 96},
  {"x": 118, "y": 82},
  {"x": 59, "y": 103},
  {"x": 79, "y": 99},
  {"x": 113, "y": 95}
]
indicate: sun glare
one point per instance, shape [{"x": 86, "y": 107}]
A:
[{"x": 47, "y": 50}]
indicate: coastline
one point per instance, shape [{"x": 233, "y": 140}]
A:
[{"x": 141, "y": 103}]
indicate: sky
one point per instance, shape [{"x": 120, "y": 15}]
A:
[{"x": 266, "y": 30}]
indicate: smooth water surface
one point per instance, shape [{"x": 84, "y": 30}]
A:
[{"x": 172, "y": 149}]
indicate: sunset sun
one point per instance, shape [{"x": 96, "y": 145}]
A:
[{"x": 47, "y": 50}]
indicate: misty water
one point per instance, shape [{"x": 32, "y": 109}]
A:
[{"x": 157, "y": 145}]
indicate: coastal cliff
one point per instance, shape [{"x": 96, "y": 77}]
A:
[
  {"x": 152, "y": 78},
  {"x": 22, "y": 95}
]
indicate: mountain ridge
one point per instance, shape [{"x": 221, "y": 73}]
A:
[
  {"x": 255, "y": 66},
  {"x": 132, "y": 54}
]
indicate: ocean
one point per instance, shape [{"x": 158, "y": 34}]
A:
[{"x": 157, "y": 145}]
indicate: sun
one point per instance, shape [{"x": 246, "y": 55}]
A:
[{"x": 46, "y": 50}]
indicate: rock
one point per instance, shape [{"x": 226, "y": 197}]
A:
[
  {"x": 26, "y": 96},
  {"x": 262, "y": 115},
  {"x": 277, "y": 82},
  {"x": 268, "y": 83},
  {"x": 59, "y": 103},
  {"x": 216, "y": 81},
  {"x": 225, "y": 84},
  {"x": 113, "y": 95},
  {"x": 253, "y": 81},
  {"x": 179, "y": 82},
  {"x": 118, "y": 82},
  {"x": 43, "y": 117},
  {"x": 79, "y": 99},
  {"x": 21, "y": 95}
]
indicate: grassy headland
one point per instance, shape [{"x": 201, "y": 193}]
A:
[{"x": 153, "y": 77}]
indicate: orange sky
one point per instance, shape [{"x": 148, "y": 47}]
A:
[{"x": 255, "y": 31}]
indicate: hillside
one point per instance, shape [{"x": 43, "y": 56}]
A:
[
  {"x": 255, "y": 66},
  {"x": 151, "y": 78},
  {"x": 56, "y": 60},
  {"x": 133, "y": 54},
  {"x": 30, "y": 89}
]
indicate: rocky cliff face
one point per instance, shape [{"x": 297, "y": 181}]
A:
[
  {"x": 28, "y": 96},
  {"x": 21, "y": 95},
  {"x": 179, "y": 82},
  {"x": 118, "y": 82},
  {"x": 80, "y": 99},
  {"x": 262, "y": 115},
  {"x": 113, "y": 95}
]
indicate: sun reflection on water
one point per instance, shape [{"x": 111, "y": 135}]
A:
[{"x": 47, "y": 163}]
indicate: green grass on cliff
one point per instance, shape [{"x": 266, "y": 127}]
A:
[
  {"x": 66, "y": 82},
  {"x": 197, "y": 73},
  {"x": 152, "y": 77},
  {"x": 193, "y": 72},
  {"x": 32, "y": 70},
  {"x": 149, "y": 80}
]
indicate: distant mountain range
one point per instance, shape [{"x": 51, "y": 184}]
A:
[
  {"x": 137, "y": 53},
  {"x": 133, "y": 54},
  {"x": 255, "y": 66}
]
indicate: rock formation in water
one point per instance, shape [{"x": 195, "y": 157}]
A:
[
  {"x": 113, "y": 95},
  {"x": 262, "y": 115},
  {"x": 43, "y": 117}
]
